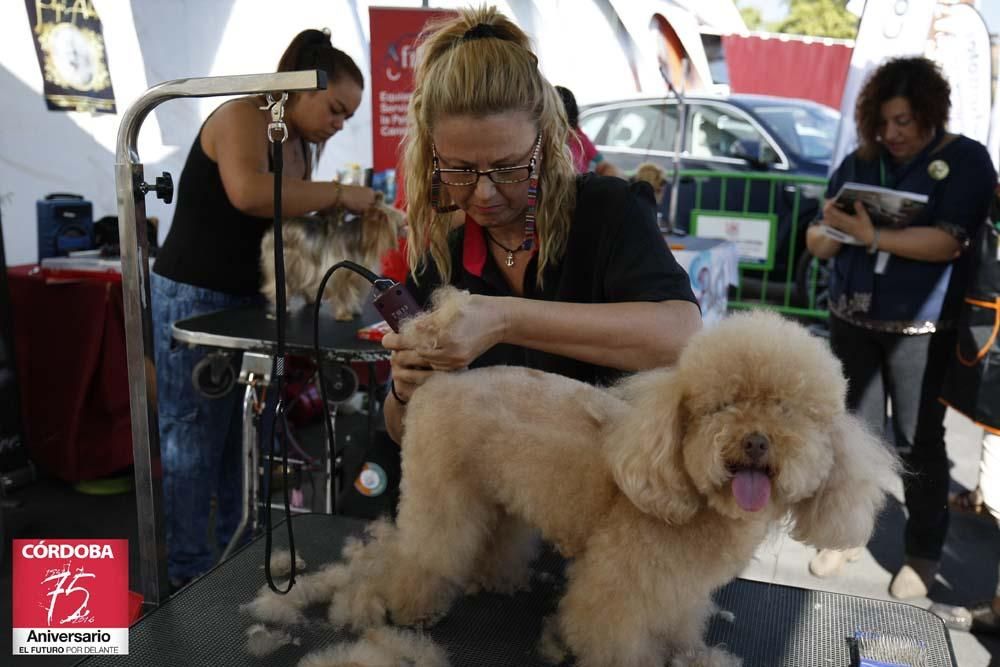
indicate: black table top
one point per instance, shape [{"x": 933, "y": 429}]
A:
[
  {"x": 771, "y": 625},
  {"x": 253, "y": 329}
]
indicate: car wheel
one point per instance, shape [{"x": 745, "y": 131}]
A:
[{"x": 809, "y": 272}]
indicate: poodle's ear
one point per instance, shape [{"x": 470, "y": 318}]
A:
[
  {"x": 644, "y": 448},
  {"x": 842, "y": 512}
]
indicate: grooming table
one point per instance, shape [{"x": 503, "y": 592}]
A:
[
  {"x": 773, "y": 626},
  {"x": 252, "y": 329}
]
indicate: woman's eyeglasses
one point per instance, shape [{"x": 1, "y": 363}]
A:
[{"x": 500, "y": 175}]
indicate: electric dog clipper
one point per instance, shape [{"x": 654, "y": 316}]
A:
[{"x": 394, "y": 303}]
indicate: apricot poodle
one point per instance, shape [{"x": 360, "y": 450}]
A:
[{"x": 658, "y": 490}]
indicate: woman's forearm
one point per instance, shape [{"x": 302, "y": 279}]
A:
[
  {"x": 926, "y": 244},
  {"x": 254, "y": 195},
  {"x": 627, "y": 336}
]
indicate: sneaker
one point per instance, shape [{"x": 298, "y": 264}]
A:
[
  {"x": 914, "y": 579},
  {"x": 828, "y": 562},
  {"x": 978, "y": 619}
]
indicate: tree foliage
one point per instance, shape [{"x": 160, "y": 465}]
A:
[
  {"x": 752, "y": 17},
  {"x": 819, "y": 18}
]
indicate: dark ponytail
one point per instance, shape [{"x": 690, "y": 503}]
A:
[{"x": 311, "y": 49}]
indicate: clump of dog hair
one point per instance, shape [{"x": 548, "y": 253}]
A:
[
  {"x": 286, "y": 610},
  {"x": 281, "y": 563},
  {"x": 429, "y": 327},
  {"x": 381, "y": 647},
  {"x": 262, "y": 641}
]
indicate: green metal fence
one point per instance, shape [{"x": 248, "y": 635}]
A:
[{"x": 792, "y": 282}]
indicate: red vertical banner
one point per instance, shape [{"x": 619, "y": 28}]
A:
[{"x": 394, "y": 32}]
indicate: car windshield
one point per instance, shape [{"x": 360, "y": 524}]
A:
[{"x": 809, "y": 130}]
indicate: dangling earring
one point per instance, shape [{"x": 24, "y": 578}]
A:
[{"x": 530, "y": 213}]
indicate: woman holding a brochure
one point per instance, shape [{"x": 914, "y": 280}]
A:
[{"x": 899, "y": 270}]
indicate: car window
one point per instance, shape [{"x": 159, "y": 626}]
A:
[
  {"x": 642, "y": 127},
  {"x": 809, "y": 131},
  {"x": 718, "y": 132},
  {"x": 593, "y": 124}
]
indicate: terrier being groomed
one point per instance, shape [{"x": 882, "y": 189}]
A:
[
  {"x": 658, "y": 490},
  {"x": 314, "y": 243}
]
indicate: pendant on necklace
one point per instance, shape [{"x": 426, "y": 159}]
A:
[{"x": 510, "y": 258}]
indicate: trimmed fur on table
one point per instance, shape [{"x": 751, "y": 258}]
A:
[
  {"x": 314, "y": 243},
  {"x": 657, "y": 490},
  {"x": 381, "y": 647},
  {"x": 281, "y": 563}
]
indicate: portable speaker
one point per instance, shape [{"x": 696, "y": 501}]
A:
[{"x": 65, "y": 224}]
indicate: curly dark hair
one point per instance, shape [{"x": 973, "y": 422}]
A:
[{"x": 919, "y": 81}]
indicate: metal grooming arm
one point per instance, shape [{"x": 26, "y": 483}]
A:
[{"x": 132, "y": 188}]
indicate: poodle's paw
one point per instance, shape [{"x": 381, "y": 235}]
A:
[
  {"x": 421, "y": 600},
  {"x": 551, "y": 647},
  {"x": 706, "y": 657},
  {"x": 357, "y": 605},
  {"x": 342, "y": 314}
]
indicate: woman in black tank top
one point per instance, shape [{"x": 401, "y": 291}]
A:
[{"x": 210, "y": 260}]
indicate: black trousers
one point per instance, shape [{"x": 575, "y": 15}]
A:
[{"x": 909, "y": 371}]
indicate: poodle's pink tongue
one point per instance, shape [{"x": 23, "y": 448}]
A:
[{"x": 752, "y": 489}]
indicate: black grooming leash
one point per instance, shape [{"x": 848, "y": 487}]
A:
[{"x": 277, "y": 132}]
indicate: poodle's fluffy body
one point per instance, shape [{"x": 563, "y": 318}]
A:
[
  {"x": 314, "y": 243},
  {"x": 645, "y": 487}
]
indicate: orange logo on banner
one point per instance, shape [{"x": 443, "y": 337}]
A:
[{"x": 70, "y": 597}]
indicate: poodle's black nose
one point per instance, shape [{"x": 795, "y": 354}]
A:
[{"x": 756, "y": 445}]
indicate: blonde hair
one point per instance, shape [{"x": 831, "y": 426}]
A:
[{"x": 483, "y": 77}]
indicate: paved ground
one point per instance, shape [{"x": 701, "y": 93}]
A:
[{"x": 969, "y": 565}]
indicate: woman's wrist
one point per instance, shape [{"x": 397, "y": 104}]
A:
[
  {"x": 505, "y": 309},
  {"x": 873, "y": 244}
]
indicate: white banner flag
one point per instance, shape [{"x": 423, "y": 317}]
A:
[
  {"x": 960, "y": 44},
  {"x": 889, "y": 29}
]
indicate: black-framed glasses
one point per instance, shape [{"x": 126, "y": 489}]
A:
[{"x": 500, "y": 175}]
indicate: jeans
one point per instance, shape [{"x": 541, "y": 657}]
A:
[
  {"x": 909, "y": 371},
  {"x": 200, "y": 438}
]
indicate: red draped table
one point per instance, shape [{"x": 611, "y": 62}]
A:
[{"x": 69, "y": 337}]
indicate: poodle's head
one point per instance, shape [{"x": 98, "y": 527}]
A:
[{"x": 751, "y": 423}]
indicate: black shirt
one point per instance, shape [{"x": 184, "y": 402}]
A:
[
  {"x": 211, "y": 243},
  {"x": 614, "y": 253},
  {"x": 913, "y": 296}
]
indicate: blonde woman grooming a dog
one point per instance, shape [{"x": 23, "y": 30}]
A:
[
  {"x": 567, "y": 274},
  {"x": 210, "y": 261}
]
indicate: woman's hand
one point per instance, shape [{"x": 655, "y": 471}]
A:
[
  {"x": 477, "y": 328},
  {"x": 859, "y": 225},
  {"x": 356, "y": 198},
  {"x": 409, "y": 369}
]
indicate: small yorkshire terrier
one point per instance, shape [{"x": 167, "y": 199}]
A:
[{"x": 314, "y": 243}]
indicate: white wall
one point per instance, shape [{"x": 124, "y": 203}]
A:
[{"x": 150, "y": 41}]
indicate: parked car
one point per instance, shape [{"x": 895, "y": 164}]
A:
[{"x": 734, "y": 133}]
